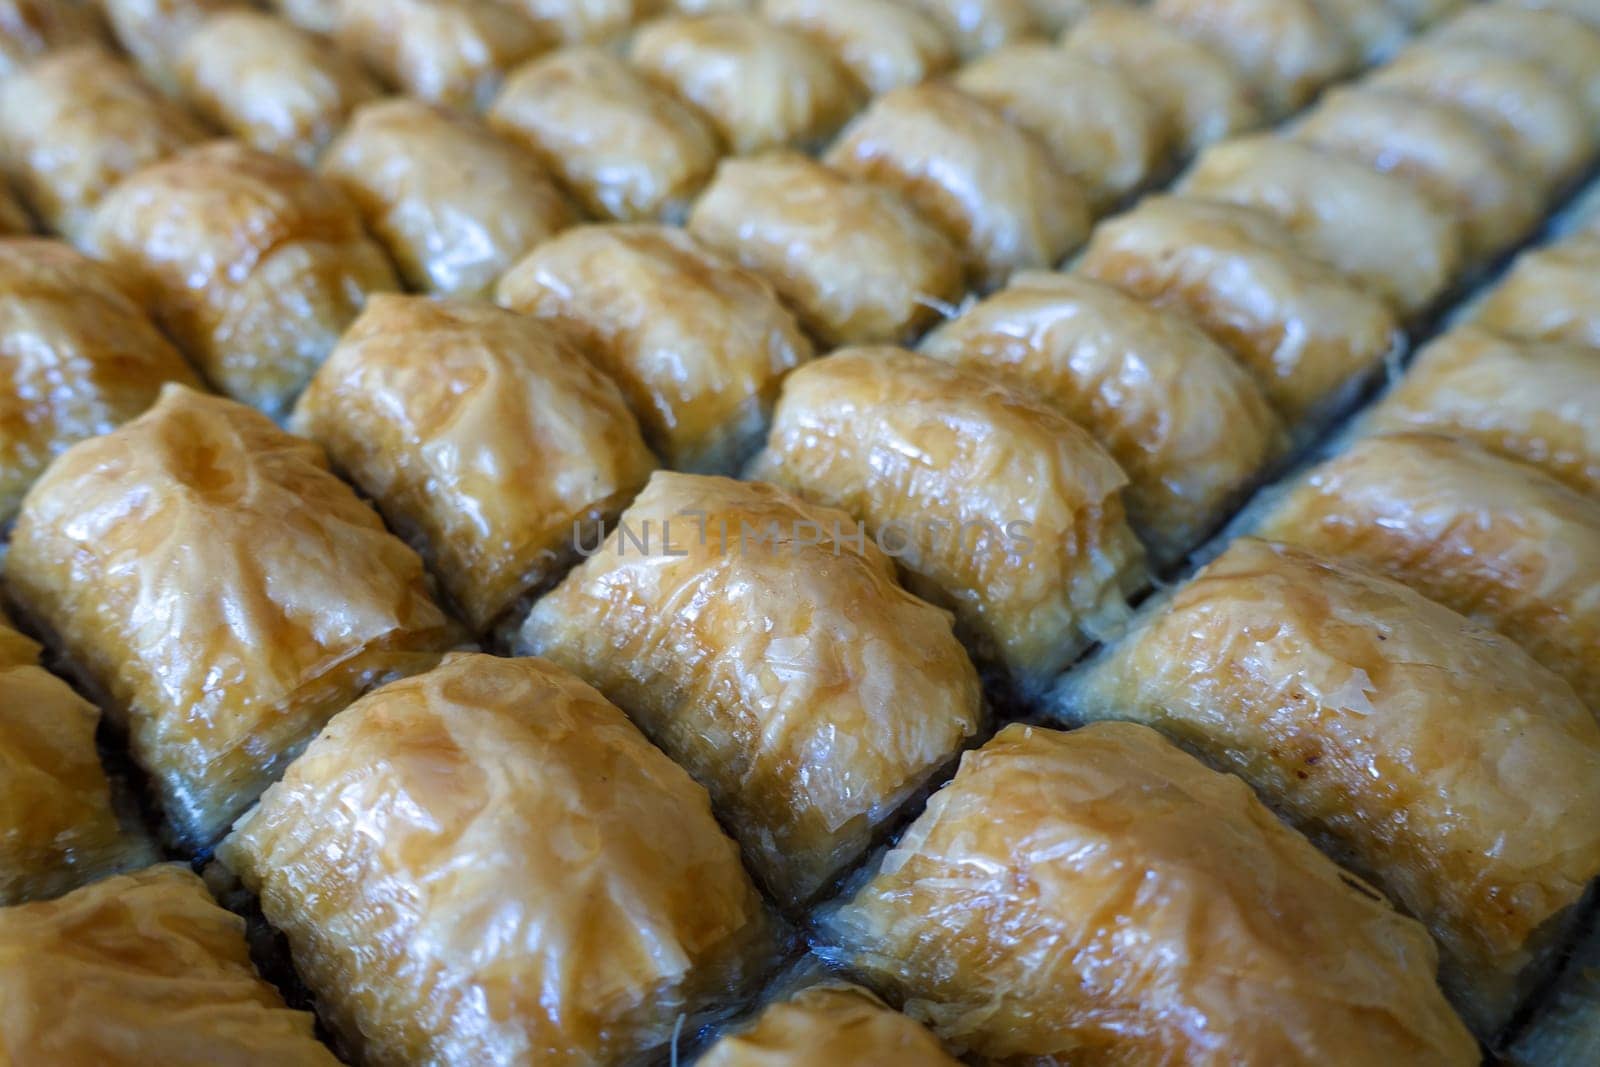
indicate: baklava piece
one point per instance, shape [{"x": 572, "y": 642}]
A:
[
  {"x": 252, "y": 263},
  {"x": 884, "y": 43},
  {"x": 762, "y": 86},
  {"x": 1533, "y": 401},
  {"x": 270, "y": 84},
  {"x": 152, "y": 31},
  {"x": 992, "y": 188},
  {"x": 1551, "y": 294},
  {"x": 1192, "y": 429},
  {"x": 1101, "y": 896},
  {"x": 585, "y": 21},
  {"x": 1093, "y": 120},
  {"x": 454, "y": 204},
  {"x": 810, "y": 729},
  {"x": 1440, "y": 150},
  {"x": 855, "y": 260},
  {"x": 979, "y": 26},
  {"x": 1435, "y": 756},
  {"x": 623, "y": 148},
  {"x": 1309, "y": 335},
  {"x": 1374, "y": 228},
  {"x": 697, "y": 343},
  {"x": 139, "y": 969},
  {"x": 1546, "y": 127},
  {"x": 30, "y": 28},
  {"x": 77, "y": 358},
  {"x": 223, "y": 590},
  {"x": 449, "y": 52},
  {"x": 317, "y": 16},
  {"x": 74, "y": 123},
  {"x": 479, "y": 434},
  {"x": 1567, "y": 47},
  {"x": 829, "y": 1024},
  {"x": 59, "y": 829},
  {"x": 1497, "y": 540},
  {"x": 488, "y": 863},
  {"x": 1287, "y": 50},
  {"x": 1199, "y": 95},
  {"x": 993, "y": 503}
]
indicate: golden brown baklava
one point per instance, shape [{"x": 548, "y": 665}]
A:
[
  {"x": 225, "y": 592},
  {"x": 697, "y": 343},
  {"x": 1551, "y": 293},
  {"x": 884, "y": 43},
  {"x": 829, "y": 1024},
  {"x": 764, "y": 644},
  {"x": 454, "y": 204},
  {"x": 488, "y": 863},
  {"x": 1099, "y": 896}
]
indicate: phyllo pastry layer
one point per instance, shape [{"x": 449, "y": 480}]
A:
[
  {"x": 1434, "y": 756},
  {"x": 454, "y": 204},
  {"x": 993, "y": 503},
  {"x": 76, "y": 122},
  {"x": 856, "y": 261},
  {"x": 1529, "y": 400},
  {"x": 208, "y": 574},
  {"x": 1100, "y": 896},
  {"x": 480, "y": 434},
  {"x": 77, "y": 358},
  {"x": 253, "y": 264},
  {"x": 884, "y": 43},
  {"x": 140, "y": 969},
  {"x": 1497, "y": 540},
  {"x": 697, "y": 343},
  {"x": 487, "y": 863},
  {"x": 829, "y": 1024},
  {"x": 1191, "y": 427},
  {"x": 1551, "y": 293},
  {"x": 810, "y": 727},
  {"x": 1307, "y": 333}
]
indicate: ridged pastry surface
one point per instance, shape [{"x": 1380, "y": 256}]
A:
[{"x": 831, "y": 1024}]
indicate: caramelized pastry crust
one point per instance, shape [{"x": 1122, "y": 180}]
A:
[
  {"x": 270, "y": 84},
  {"x": 1191, "y": 428},
  {"x": 584, "y": 21},
  {"x": 77, "y": 358},
  {"x": 1559, "y": 43},
  {"x": 58, "y": 829},
  {"x": 1546, "y": 126},
  {"x": 1496, "y": 540},
  {"x": 1435, "y": 755},
  {"x": 1307, "y": 333},
  {"x": 1101, "y": 897},
  {"x": 1550, "y": 294},
  {"x": 763, "y": 86},
  {"x": 453, "y": 203},
  {"x": 831, "y": 1024},
  {"x": 1527, "y": 400},
  {"x": 697, "y": 344},
  {"x": 152, "y": 31},
  {"x": 979, "y": 26},
  {"x": 488, "y": 863},
  {"x": 994, "y": 189},
  {"x": 1287, "y": 49},
  {"x": 450, "y": 52},
  {"x": 140, "y": 969},
  {"x": 1199, "y": 95},
  {"x": 1374, "y": 228},
  {"x": 252, "y": 263},
  {"x": 884, "y": 43},
  {"x": 811, "y": 729},
  {"x": 624, "y": 148},
  {"x": 855, "y": 260},
  {"x": 30, "y": 28},
  {"x": 478, "y": 431},
  {"x": 1094, "y": 121},
  {"x": 1440, "y": 150},
  {"x": 74, "y": 123},
  {"x": 206, "y": 572},
  {"x": 994, "y": 504}
]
